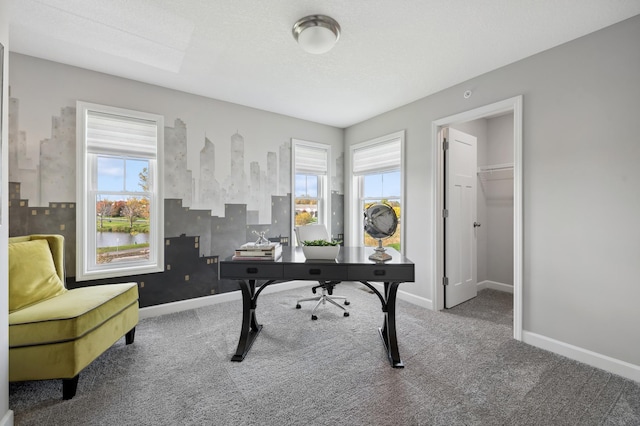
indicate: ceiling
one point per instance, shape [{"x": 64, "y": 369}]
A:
[{"x": 390, "y": 52}]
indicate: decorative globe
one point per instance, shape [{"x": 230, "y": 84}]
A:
[{"x": 380, "y": 221}]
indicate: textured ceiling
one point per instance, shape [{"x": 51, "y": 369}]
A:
[{"x": 390, "y": 52}]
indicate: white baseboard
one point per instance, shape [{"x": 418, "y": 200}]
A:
[
  {"x": 494, "y": 285},
  {"x": 415, "y": 300},
  {"x": 184, "y": 305},
  {"x": 594, "y": 359},
  {"x": 408, "y": 297},
  {"x": 7, "y": 419}
]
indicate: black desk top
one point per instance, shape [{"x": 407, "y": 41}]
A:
[
  {"x": 346, "y": 256},
  {"x": 352, "y": 264}
]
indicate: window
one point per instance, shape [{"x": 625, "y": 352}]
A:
[
  {"x": 377, "y": 168},
  {"x": 119, "y": 192},
  {"x": 311, "y": 184}
]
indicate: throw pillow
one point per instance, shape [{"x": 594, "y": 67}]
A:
[{"x": 32, "y": 274}]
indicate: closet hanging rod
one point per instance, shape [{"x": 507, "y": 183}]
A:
[{"x": 495, "y": 167}]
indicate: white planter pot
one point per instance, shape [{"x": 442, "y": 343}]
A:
[{"x": 320, "y": 252}]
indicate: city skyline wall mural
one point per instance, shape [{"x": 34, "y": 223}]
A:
[{"x": 218, "y": 189}]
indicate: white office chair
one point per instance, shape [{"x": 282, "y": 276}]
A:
[{"x": 319, "y": 232}]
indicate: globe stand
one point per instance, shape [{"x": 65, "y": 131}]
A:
[{"x": 379, "y": 254}]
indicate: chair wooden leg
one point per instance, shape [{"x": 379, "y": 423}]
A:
[
  {"x": 130, "y": 336},
  {"x": 69, "y": 387}
]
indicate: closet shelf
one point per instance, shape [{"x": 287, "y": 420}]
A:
[{"x": 496, "y": 172}]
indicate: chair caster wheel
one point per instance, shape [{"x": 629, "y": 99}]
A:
[
  {"x": 346, "y": 302},
  {"x": 346, "y": 314},
  {"x": 298, "y": 306},
  {"x": 313, "y": 317}
]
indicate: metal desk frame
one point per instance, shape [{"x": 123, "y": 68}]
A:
[{"x": 352, "y": 264}]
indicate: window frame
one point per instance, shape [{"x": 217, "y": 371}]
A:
[
  {"x": 86, "y": 192},
  {"x": 356, "y": 198},
  {"x": 324, "y": 184}
]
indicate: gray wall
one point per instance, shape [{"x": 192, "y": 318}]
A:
[
  {"x": 227, "y": 169},
  {"x": 580, "y": 172},
  {"x": 4, "y": 277},
  {"x": 45, "y": 89}
]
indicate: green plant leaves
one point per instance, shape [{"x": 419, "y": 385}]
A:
[{"x": 320, "y": 243}]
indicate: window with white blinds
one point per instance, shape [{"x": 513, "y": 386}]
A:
[
  {"x": 378, "y": 157},
  {"x": 311, "y": 172},
  {"x": 377, "y": 176},
  {"x": 311, "y": 160},
  {"x": 119, "y": 192},
  {"x": 120, "y": 135}
]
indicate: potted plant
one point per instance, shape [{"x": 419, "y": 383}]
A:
[{"x": 320, "y": 249}]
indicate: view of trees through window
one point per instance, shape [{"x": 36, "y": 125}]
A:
[
  {"x": 306, "y": 199},
  {"x": 122, "y": 209}
]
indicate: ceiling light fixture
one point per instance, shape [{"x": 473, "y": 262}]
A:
[{"x": 316, "y": 33}]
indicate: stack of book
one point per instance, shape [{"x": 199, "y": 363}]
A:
[{"x": 253, "y": 251}]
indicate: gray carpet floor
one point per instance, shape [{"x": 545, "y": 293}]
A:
[{"x": 462, "y": 367}]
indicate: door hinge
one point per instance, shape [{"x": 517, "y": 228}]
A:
[
  {"x": 445, "y": 144},
  {"x": 445, "y": 213},
  {"x": 445, "y": 281}
]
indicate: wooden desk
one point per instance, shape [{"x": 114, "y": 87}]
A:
[{"x": 352, "y": 264}]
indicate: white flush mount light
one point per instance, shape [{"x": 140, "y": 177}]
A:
[{"x": 316, "y": 33}]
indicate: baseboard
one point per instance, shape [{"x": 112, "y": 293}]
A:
[
  {"x": 494, "y": 285},
  {"x": 7, "y": 419},
  {"x": 184, "y": 305},
  {"x": 594, "y": 359},
  {"x": 408, "y": 297},
  {"x": 415, "y": 300}
]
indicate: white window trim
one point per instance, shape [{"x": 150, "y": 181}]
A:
[
  {"x": 85, "y": 238},
  {"x": 325, "y": 189},
  {"x": 355, "y": 232}
]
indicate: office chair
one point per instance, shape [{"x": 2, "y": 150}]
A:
[{"x": 319, "y": 232}]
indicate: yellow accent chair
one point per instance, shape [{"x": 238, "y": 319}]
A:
[{"x": 54, "y": 333}]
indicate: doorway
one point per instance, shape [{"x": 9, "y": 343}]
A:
[{"x": 511, "y": 106}]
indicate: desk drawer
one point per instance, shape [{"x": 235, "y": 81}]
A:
[
  {"x": 250, "y": 271},
  {"x": 381, "y": 273},
  {"x": 309, "y": 271}
]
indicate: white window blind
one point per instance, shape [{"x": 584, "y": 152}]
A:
[
  {"x": 377, "y": 158},
  {"x": 110, "y": 134},
  {"x": 311, "y": 160},
  {"x": 111, "y": 142}
]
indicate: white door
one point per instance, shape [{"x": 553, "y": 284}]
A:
[{"x": 460, "y": 217}]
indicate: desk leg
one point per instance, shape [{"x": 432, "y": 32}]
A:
[
  {"x": 388, "y": 329},
  {"x": 250, "y": 326}
]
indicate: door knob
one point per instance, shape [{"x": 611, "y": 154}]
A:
[{"x": 476, "y": 224}]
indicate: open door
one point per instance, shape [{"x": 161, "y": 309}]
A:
[{"x": 460, "y": 224}]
